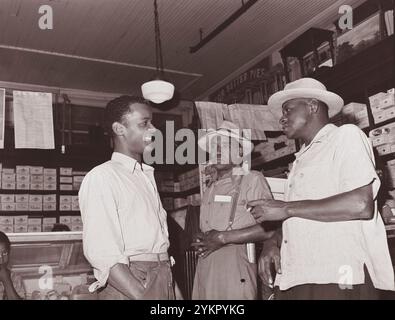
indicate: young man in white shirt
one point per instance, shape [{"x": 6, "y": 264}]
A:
[{"x": 125, "y": 235}]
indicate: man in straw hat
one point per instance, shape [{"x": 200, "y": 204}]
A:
[
  {"x": 225, "y": 269},
  {"x": 334, "y": 243}
]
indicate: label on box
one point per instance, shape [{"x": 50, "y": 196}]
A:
[
  {"x": 49, "y": 171},
  {"x": 64, "y": 219},
  {"x": 49, "y": 179},
  {"x": 34, "y": 228},
  {"x": 65, "y": 199},
  {"x": 20, "y": 220},
  {"x": 8, "y": 185},
  {"x": 20, "y": 228},
  {"x": 49, "y": 206},
  {"x": 7, "y": 198},
  {"x": 66, "y": 171},
  {"x": 23, "y": 186},
  {"x": 5, "y": 220},
  {"x": 36, "y": 178},
  {"x": 66, "y": 179},
  {"x": 8, "y": 207},
  {"x": 65, "y": 207},
  {"x": 34, "y": 221},
  {"x": 23, "y": 170},
  {"x": 7, "y": 228},
  {"x": 35, "y": 198},
  {"x": 384, "y": 149},
  {"x": 49, "y": 186},
  {"x": 35, "y": 207},
  {"x": 23, "y": 178},
  {"x": 36, "y": 170},
  {"x": 37, "y": 186},
  {"x": 66, "y": 187},
  {"x": 22, "y": 206}
]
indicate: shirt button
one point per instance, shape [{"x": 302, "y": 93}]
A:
[
  {"x": 290, "y": 186},
  {"x": 301, "y": 175},
  {"x": 285, "y": 241}
]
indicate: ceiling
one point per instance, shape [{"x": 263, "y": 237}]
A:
[{"x": 108, "y": 45}]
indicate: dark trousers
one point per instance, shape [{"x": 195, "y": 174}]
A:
[
  {"x": 364, "y": 291},
  {"x": 154, "y": 275}
]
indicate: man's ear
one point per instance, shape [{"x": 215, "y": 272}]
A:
[
  {"x": 118, "y": 128},
  {"x": 313, "y": 104}
]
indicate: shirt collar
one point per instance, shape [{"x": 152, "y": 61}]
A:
[
  {"x": 320, "y": 136},
  {"x": 129, "y": 162}
]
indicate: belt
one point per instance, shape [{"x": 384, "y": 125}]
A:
[{"x": 150, "y": 257}]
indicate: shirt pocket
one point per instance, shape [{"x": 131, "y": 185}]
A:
[
  {"x": 219, "y": 215},
  {"x": 313, "y": 182}
]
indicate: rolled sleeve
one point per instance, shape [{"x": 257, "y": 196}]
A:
[
  {"x": 102, "y": 235},
  {"x": 355, "y": 161},
  {"x": 258, "y": 187}
]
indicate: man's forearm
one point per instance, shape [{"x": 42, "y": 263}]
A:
[
  {"x": 353, "y": 205},
  {"x": 122, "y": 279},
  {"x": 10, "y": 290},
  {"x": 254, "y": 233}
]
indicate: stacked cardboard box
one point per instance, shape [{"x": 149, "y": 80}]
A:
[
  {"x": 383, "y": 106},
  {"x": 275, "y": 148},
  {"x": 383, "y": 139},
  {"x": 356, "y": 113}
]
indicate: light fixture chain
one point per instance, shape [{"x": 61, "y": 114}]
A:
[{"x": 158, "y": 43}]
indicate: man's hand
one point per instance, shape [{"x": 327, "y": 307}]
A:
[
  {"x": 208, "y": 242},
  {"x": 268, "y": 210},
  {"x": 269, "y": 256}
]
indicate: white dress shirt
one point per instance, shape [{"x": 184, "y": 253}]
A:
[
  {"x": 339, "y": 159},
  {"x": 122, "y": 214}
]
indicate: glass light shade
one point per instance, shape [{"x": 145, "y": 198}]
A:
[{"x": 157, "y": 91}]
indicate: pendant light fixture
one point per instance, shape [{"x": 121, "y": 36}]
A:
[{"x": 158, "y": 90}]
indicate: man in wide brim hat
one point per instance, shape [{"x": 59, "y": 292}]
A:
[{"x": 332, "y": 235}]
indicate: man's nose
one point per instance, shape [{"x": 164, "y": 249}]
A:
[{"x": 282, "y": 120}]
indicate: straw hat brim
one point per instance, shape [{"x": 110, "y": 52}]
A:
[{"x": 205, "y": 141}]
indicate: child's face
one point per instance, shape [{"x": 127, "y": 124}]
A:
[{"x": 4, "y": 254}]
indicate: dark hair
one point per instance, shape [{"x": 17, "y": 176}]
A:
[
  {"x": 4, "y": 239},
  {"x": 117, "y": 108}
]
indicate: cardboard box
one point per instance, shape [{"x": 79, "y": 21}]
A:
[
  {"x": 6, "y": 220},
  {"x": 49, "y": 186},
  {"x": 74, "y": 199},
  {"x": 375, "y": 99},
  {"x": 47, "y": 227},
  {"x": 48, "y": 198},
  {"x": 76, "y": 220},
  {"x": 8, "y": 206},
  {"x": 8, "y": 170},
  {"x": 75, "y": 207},
  {"x": 78, "y": 179},
  {"x": 6, "y": 228},
  {"x": 22, "y": 198},
  {"x": 49, "y": 206},
  {"x": 36, "y": 186},
  {"x": 65, "y": 219},
  {"x": 384, "y": 149},
  {"x": 20, "y": 178},
  {"x": 65, "y": 199},
  {"x": 22, "y": 206},
  {"x": 23, "y": 186},
  {"x": 35, "y": 207},
  {"x": 36, "y": 170},
  {"x": 20, "y": 228},
  {"x": 66, "y": 171},
  {"x": 23, "y": 170},
  {"x": 66, "y": 179},
  {"x": 8, "y": 177},
  {"x": 66, "y": 187},
  {"x": 7, "y": 198},
  {"x": 36, "y": 178},
  {"x": 65, "y": 207},
  {"x": 49, "y": 171},
  {"x": 76, "y": 187},
  {"x": 76, "y": 227},
  {"x": 8, "y": 185},
  {"x": 34, "y": 228},
  {"x": 388, "y": 101},
  {"x": 21, "y": 220},
  {"x": 34, "y": 221},
  {"x": 49, "y": 221},
  {"x": 35, "y": 198},
  {"x": 379, "y": 117},
  {"x": 50, "y": 179}
]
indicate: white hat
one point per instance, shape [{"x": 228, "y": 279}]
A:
[
  {"x": 305, "y": 88},
  {"x": 226, "y": 129}
]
